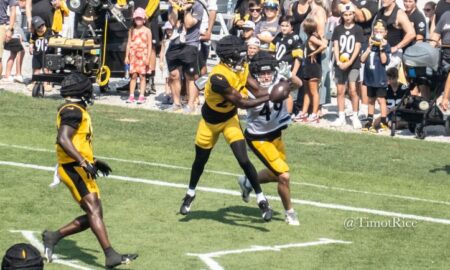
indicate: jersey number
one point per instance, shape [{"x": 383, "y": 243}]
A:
[
  {"x": 266, "y": 110},
  {"x": 281, "y": 51},
  {"x": 347, "y": 44}
]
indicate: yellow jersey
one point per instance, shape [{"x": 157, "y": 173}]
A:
[{"x": 77, "y": 117}]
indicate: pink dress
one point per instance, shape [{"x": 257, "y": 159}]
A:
[{"x": 139, "y": 51}]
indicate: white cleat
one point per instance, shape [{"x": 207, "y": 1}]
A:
[
  {"x": 292, "y": 219},
  {"x": 356, "y": 122}
]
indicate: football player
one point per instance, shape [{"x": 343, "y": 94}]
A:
[
  {"x": 225, "y": 92},
  {"x": 78, "y": 169},
  {"x": 263, "y": 132}
]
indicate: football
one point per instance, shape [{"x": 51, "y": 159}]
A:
[{"x": 279, "y": 92}]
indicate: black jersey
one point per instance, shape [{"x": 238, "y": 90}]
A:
[
  {"x": 298, "y": 17},
  {"x": 347, "y": 39},
  {"x": 419, "y": 23},
  {"x": 287, "y": 48},
  {"x": 40, "y": 42},
  {"x": 369, "y": 8},
  {"x": 394, "y": 98},
  {"x": 395, "y": 35}
]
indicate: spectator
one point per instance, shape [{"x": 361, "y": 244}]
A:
[
  {"x": 241, "y": 14},
  {"x": 208, "y": 20},
  {"x": 311, "y": 71},
  {"x": 6, "y": 24},
  {"x": 429, "y": 10},
  {"x": 183, "y": 51},
  {"x": 38, "y": 46},
  {"x": 248, "y": 30},
  {"x": 441, "y": 7},
  {"x": 253, "y": 45},
  {"x": 365, "y": 11},
  {"x": 400, "y": 30},
  {"x": 395, "y": 92},
  {"x": 14, "y": 45},
  {"x": 288, "y": 48},
  {"x": 417, "y": 20},
  {"x": 347, "y": 39},
  {"x": 299, "y": 10},
  {"x": 255, "y": 11},
  {"x": 268, "y": 28},
  {"x": 168, "y": 31},
  {"x": 39, "y": 8},
  {"x": 138, "y": 53},
  {"x": 378, "y": 57}
]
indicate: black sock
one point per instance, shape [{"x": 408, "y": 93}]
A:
[
  {"x": 201, "y": 157},
  {"x": 383, "y": 120},
  {"x": 370, "y": 119}
]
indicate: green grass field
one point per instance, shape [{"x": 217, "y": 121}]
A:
[{"x": 336, "y": 178}]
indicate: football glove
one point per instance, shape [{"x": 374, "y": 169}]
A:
[
  {"x": 284, "y": 70},
  {"x": 103, "y": 167},
  {"x": 90, "y": 169}
]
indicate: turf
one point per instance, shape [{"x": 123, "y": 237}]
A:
[{"x": 143, "y": 218}]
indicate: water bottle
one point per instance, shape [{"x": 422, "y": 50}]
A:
[
  {"x": 230, "y": 7},
  {"x": 127, "y": 71}
]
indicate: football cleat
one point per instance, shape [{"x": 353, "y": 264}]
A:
[
  {"x": 243, "y": 184},
  {"x": 49, "y": 245},
  {"x": 119, "y": 259},
  {"x": 265, "y": 210},
  {"x": 186, "y": 205},
  {"x": 292, "y": 219}
]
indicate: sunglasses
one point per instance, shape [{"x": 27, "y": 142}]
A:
[
  {"x": 255, "y": 9},
  {"x": 427, "y": 9}
]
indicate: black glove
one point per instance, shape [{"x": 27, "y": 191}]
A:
[
  {"x": 90, "y": 169},
  {"x": 103, "y": 167}
]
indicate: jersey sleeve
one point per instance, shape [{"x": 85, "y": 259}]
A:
[
  {"x": 297, "y": 51},
  {"x": 71, "y": 116},
  {"x": 420, "y": 25},
  {"x": 219, "y": 83},
  {"x": 197, "y": 11}
]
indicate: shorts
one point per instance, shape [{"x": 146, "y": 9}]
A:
[
  {"x": 375, "y": 92},
  {"x": 203, "y": 54},
  {"x": 184, "y": 56},
  {"x": 207, "y": 134},
  {"x": 271, "y": 153},
  {"x": 344, "y": 76},
  {"x": 311, "y": 71},
  {"x": 77, "y": 180},
  {"x": 37, "y": 61},
  {"x": 14, "y": 45}
]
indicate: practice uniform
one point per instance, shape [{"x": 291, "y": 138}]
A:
[
  {"x": 69, "y": 171},
  {"x": 347, "y": 38},
  {"x": 218, "y": 114},
  {"x": 287, "y": 48},
  {"x": 263, "y": 133}
]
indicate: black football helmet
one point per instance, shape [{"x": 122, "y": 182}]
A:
[
  {"x": 232, "y": 51},
  {"x": 263, "y": 62},
  {"x": 78, "y": 86}
]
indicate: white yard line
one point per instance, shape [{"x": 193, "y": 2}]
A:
[
  {"x": 237, "y": 193},
  {"x": 30, "y": 236},
  {"x": 410, "y": 198},
  {"x": 212, "y": 264}
]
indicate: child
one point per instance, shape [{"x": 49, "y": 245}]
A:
[
  {"x": 288, "y": 48},
  {"x": 347, "y": 39},
  {"x": 137, "y": 55},
  {"x": 395, "y": 92},
  {"x": 268, "y": 29},
  {"x": 248, "y": 30},
  {"x": 15, "y": 47},
  {"x": 253, "y": 45},
  {"x": 168, "y": 31},
  {"x": 311, "y": 71},
  {"x": 38, "y": 46},
  {"x": 377, "y": 56}
]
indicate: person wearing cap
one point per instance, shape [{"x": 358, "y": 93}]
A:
[
  {"x": 269, "y": 28},
  {"x": 6, "y": 24},
  {"x": 78, "y": 169},
  {"x": 167, "y": 34},
  {"x": 38, "y": 47},
  {"x": 248, "y": 30},
  {"x": 347, "y": 39},
  {"x": 138, "y": 53},
  {"x": 253, "y": 45},
  {"x": 376, "y": 57}
]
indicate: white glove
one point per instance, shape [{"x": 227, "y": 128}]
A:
[{"x": 284, "y": 70}]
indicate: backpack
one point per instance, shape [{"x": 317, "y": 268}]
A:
[{"x": 22, "y": 257}]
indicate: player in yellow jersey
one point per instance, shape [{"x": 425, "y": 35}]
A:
[
  {"x": 226, "y": 91},
  {"x": 78, "y": 169}
]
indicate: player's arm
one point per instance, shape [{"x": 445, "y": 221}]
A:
[
  {"x": 221, "y": 86},
  {"x": 253, "y": 86}
]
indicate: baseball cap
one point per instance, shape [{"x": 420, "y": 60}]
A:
[
  {"x": 249, "y": 25},
  {"x": 271, "y": 3},
  {"x": 347, "y": 7},
  {"x": 37, "y": 21},
  {"x": 139, "y": 13},
  {"x": 253, "y": 42}
]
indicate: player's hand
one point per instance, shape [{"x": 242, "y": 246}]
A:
[
  {"x": 284, "y": 70},
  {"x": 103, "y": 167},
  {"x": 90, "y": 169}
]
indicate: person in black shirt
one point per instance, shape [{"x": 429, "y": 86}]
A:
[
  {"x": 417, "y": 19},
  {"x": 347, "y": 39}
]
